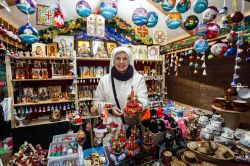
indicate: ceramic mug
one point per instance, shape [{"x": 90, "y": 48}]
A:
[
  {"x": 203, "y": 120},
  {"x": 206, "y": 134},
  {"x": 217, "y": 125},
  {"x": 217, "y": 117}
]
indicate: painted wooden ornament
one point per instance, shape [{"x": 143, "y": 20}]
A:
[
  {"x": 26, "y": 6},
  {"x": 83, "y": 9},
  {"x": 81, "y": 137},
  {"x": 183, "y": 6},
  {"x": 201, "y": 29},
  {"x": 58, "y": 18},
  {"x": 201, "y": 45},
  {"x": 212, "y": 30},
  {"x": 108, "y": 9},
  {"x": 210, "y": 56},
  {"x": 236, "y": 17},
  {"x": 200, "y": 6},
  {"x": 230, "y": 52},
  {"x": 152, "y": 18},
  {"x": 219, "y": 49},
  {"x": 210, "y": 14},
  {"x": 191, "y": 22},
  {"x": 28, "y": 34},
  {"x": 168, "y": 5},
  {"x": 173, "y": 20},
  {"x": 139, "y": 16}
]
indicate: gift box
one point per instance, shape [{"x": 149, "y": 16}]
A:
[
  {"x": 64, "y": 137},
  {"x": 67, "y": 161},
  {"x": 62, "y": 154}
]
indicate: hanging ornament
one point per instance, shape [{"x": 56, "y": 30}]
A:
[
  {"x": 168, "y": 5},
  {"x": 83, "y": 9},
  {"x": 225, "y": 24},
  {"x": 201, "y": 29},
  {"x": 173, "y": 20},
  {"x": 152, "y": 19},
  {"x": 231, "y": 52},
  {"x": 204, "y": 73},
  {"x": 191, "y": 64},
  {"x": 28, "y": 34},
  {"x": 219, "y": 48},
  {"x": 212, "y": 30},
  {"x": 58, "y": 18},
  {"x": 236, "y": 17},
  {"x": 157, "y": 1},
  {"x": 139, "y": 16},
  {"x": 201, "y": 45},
  {"x": 195, "y": 71},
  {"x": 108, "y": 8},
  {"x": 183, "y": 6},
  {"x": 203, "y": 65},
  {"x": 191, "y": 22},
  {"x": 224, "y": 9},
  {"x": 81, "y": 136},
  {"x": 248, "y": 59},
  {"x": 26, "y": 6},
  {"x": 200, "y": 6},
  {"x": 210, "y": 56},
  {"x": 210, "y": 14},
  {"x": 142, "y": 31}
]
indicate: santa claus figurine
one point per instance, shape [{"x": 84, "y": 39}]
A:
[{"x": 210, "y": 14}]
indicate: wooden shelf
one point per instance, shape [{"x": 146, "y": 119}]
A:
[
  {"x": 36, "y": 122},
  {"x": 87, "y": 78},
  {"x": 86, "y": 99},
  {"x": 45, "y": 79},
  {"x": 229, "y": 111},
  {"x": 44, "y": 102},
  {"x": 41, "y": 58}
]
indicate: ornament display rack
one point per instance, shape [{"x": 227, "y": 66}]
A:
[
  {"x": 15, "y": 83},
  {"x": 6, "y": 39}
]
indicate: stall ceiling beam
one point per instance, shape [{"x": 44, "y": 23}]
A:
[
  {"x": 10, "y": 3},
  {"x": 158, "y": 6}
]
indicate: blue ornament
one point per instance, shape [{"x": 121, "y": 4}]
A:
[
  {"x": 173, "y": 20},
  {"x": 108, "y": 9},
  {"x": 28, "y": 34},
  {"x": 248, "y": 59},
  {"x": 157, "y": 1},
  {"x": 139, "y": 16},
  {"x": 201, "y": 45},
  {"x": 183, "y": 6},
  {"x": 152, "y": 18},
  {"x": 168, "y": 5},
  {"x": 83, "y": 9},
  {"x": 201, "y": 29},
  {"x": 230, "y": 52},
  {"x": 26, "y": 6},
  {"x": 200, "y": 6}
]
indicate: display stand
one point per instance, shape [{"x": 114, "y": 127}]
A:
[{"x": 231, "y": 117}]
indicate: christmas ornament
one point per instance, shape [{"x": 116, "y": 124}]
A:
[
  {"x": 58, "y": 18},
  {"x": 201, "y": 29},
  {"x": 231, "y": 52},
  {"x": 195, "y": 71},
  {"x": 142, "y": 31},
  {"x": 225, "y": 24},
  {"x": 210, "y": 56},
  {"x": 108, "y": 8},
  {"x": 83, "y": 9},
  {"x": 200, "y": 6},
  {"x": 236, "y": 17},
  {"x": 157, "y": 1},
  {"x": 95, "y": 25},
  {"x": 183, "y": 6},
  {"x": 210, "y": 14},
  {"x": 191, "y": 22},
  {"x": 26, "y": 6},
  {"x": 201, "y": 45},
  {"x": 81, "y": 137},
  {"x": 28, "y": 34},
  {"x": 152, "y": 18},
  {"x": 219, "y": 49},
  {"x": 173, "y": 20},
  {"x": 224, "y": 9},
  {"x": 212, "y": 30},
  {"x": 168, "y": 5},
  {"x": 139, "y": 16},
  {"x": 248, "y": 59}
]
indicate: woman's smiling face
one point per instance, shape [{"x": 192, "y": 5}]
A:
[{"x": 121, "y": 62}]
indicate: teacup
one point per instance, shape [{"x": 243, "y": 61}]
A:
[
  {"x": 217, "y": 125},
  {"x": 203, "y": 120},
  {"x": 217, "y": 117},
  {"x": 206, "y": 134}
]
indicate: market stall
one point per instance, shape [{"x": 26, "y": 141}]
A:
[{"x": 104, "y": 82}]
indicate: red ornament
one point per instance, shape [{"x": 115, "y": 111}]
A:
[
  {"x": 96, "y": 11},
  {"x": 191, "y": 58},
  {"x": 58, "y": 18},
  {"x": 213, "y": 30},
  {"x": 236, "y": 17}
]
